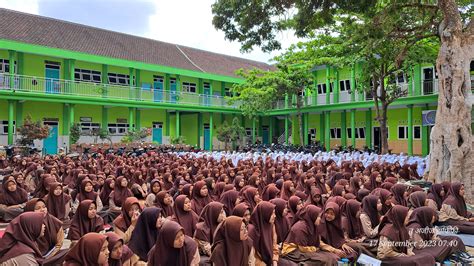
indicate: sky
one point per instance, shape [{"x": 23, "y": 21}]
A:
[{"x": 184, "y": 22}]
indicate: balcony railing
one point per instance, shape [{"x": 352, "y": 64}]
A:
[{"x": 107, "y": 91}]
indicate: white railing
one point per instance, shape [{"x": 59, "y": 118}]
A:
[{"x": 108, "y": 91}]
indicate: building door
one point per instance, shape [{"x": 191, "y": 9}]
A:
[
  {"x": 52, "y": 77},
  {"x": 207, "y": 137},
  {"x": 377, "y": 138},
  {"x": 158, "y": 132},
  {"x": 265, "y": 135},
  {"x": 428, "y": 80},
  {"x": 173, "y": 92},
  {"x": 158, "y": 89},
  {"x": 50, "y": 144},
  {"x": 207, "y": 94}
]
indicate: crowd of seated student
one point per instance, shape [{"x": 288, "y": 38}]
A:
[{"x": 184, "y": 209}]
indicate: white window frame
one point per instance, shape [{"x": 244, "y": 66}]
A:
[
  {"x": 405, "y": 132},
  {"x": 87, "y": 128},
  {"x": 336, "y": 133},
  {"x": 4, "y": 127},
  {"x": 117, "y": 129},
  {"x": 227, "y": 92},
  {"x": 321, "y": 88},
  {"x": 3, "y": 66},
  {"x": 345, "y": 85},
  {"x": 80, "y": 74},
  {"x": 189, "y": 87},
  {"x": 361, "y": 130},
  {"x": 120, "y": 79},
  {"x": 421, "y": 132}
]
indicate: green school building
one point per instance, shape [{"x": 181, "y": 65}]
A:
[{"x": 63, "y": 73}]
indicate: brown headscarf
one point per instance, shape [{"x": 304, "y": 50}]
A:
[
  {"x": 20, "y": 236},
  {"x": 187, "y": 219},
  {"x": 167, "y": 210},
  {"x": 304, "y": 232},
  {"x": 369, "y": 207},
  {"x": 120, "y": 194},
  {"x": 198, "y": 202},
  {"x": 229, "y": 198},
  {"x": 83, "y": 195},
  {"x": 208, "y": 222},
  {"x": 9, "y": 198},
  {"x": 434, "y": 193},
  {"x": 248, "y": 196},
  {"x": 57, "y": 204},
  {"x": 286, "y": 193},
  {"x": 106, "y": 191},
  {"x": 261, "y": 231},
  {"x": 350, "y": 222},
  {"x": 163, "y": 252},
  {"x": 421, "y": 218},
  {"x": 228, "y": 249},
  {"x": 144, "y": 236},
  {"x": 282, "y": 224},
  {"x": 113, "y": 239},
  {"x": 86, "y": 251},
  {"x": 456, "y": 201},
  {"x": 123, "y": 221},
  {"x": 240, "y": 209},
  {"x": 81, "y": 223},
  {"x": 398, "y": 191},
  {"x": 52, "y": 227},
  {"x": 331, "y": 231},
  {"x": 393, "y": 226},
  {"x": 270, "y": 192},
  {"x": 417, "y": 199}
]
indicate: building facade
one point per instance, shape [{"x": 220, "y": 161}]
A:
[{"x": 65, "y": 73}]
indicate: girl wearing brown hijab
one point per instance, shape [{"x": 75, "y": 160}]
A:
[
  {"x": 164, "y": 201},
  {"x": 119, "y": 253},
  {"x": 369, "y": 216},
  {"x": 18, "y": 245},
  {"x": 146, "y": 231},
  {"x": 12, "y": 199},
  {"x": 120, "y": 194},
  {"x": 288, "y": 190},
  {"x": 294, "y": 205},
  {"x": 263, "y": 234},
  {"x": 282, "y": 223},
  {"x": 184, "y": 215},
  {"x": 155, "y": 188},
  {"x": 393, "y": 248},
  {"x": 454, "y": 211},
  {"x": 85, "y": 221},
  {"x": 52, "y": 240},
  {"x": 437, "y": 194},
  {"x": 107, "y": 189},
  {"x": 304, "y": 242},
  {"x": 374, "y": 182},
  {"x": 87, "y": 192},
  {"x": 332, "y": 233},
  {"x": 57, "y": 202},
  {"x": 232, "y": 246},
  {"x": 400, "y": 194},
  {"x": 125, "y": 223},
  {"x": 421, "y": 231},
  {"x": 200, "y": 197},
  {"x": 242, "y": 210},
  {"x": 239, "y": 183},
  {"x": 385, "y": 198},
  {"x": 173, "y": 247},
  {"x": 270, "y": 192},
  {"x": 229, "y": 199},
  {"x": 90, "y": 250},
  {"x": 251, "y": 196},
  {"x": 315, "y": 198},
  {"x": 211, "y": 216}
]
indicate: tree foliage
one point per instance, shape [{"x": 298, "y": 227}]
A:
[
  {"x": 74, "y": 133},
  {"x": 31, "y": 131},
  {"x": 230, "y": 133}
]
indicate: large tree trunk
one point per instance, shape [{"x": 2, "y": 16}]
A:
[
  {"x": 383, "y": 130},
  {"x": 452, "y": 155}
]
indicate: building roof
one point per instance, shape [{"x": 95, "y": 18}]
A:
[{"x": 44, "y": 31}]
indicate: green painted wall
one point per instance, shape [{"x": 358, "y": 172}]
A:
[{"x": 189, "y": 128}]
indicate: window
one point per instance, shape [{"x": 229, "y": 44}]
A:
[
  {"x": 119, "y": 79},
  {"x": 52, "y": 65},
  {"x": 345, "y": 85},
  {"x": 5, "y": 66},
  {"x": 248, "y": 132},
  {"x": 359, "y": 132},
  {"x": 227, "y": 92},
  {"x": 322, "y": 88},
  {"x": 118, "y": 129},
  {"x": 88, "y": 128},
  {"x": 402, "y": 132},
  {"x": 158, "y": 79},
  {"x": 189, "y": 87},
  {"x": 312, "y": 132},
  {"x": 336, "y": 133},
  {"x": 87, "y": 75},
  {"x": 401, "y": 77},
  {"x": 416, "y": 132},
  {"x": 4, "y": 127}
]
